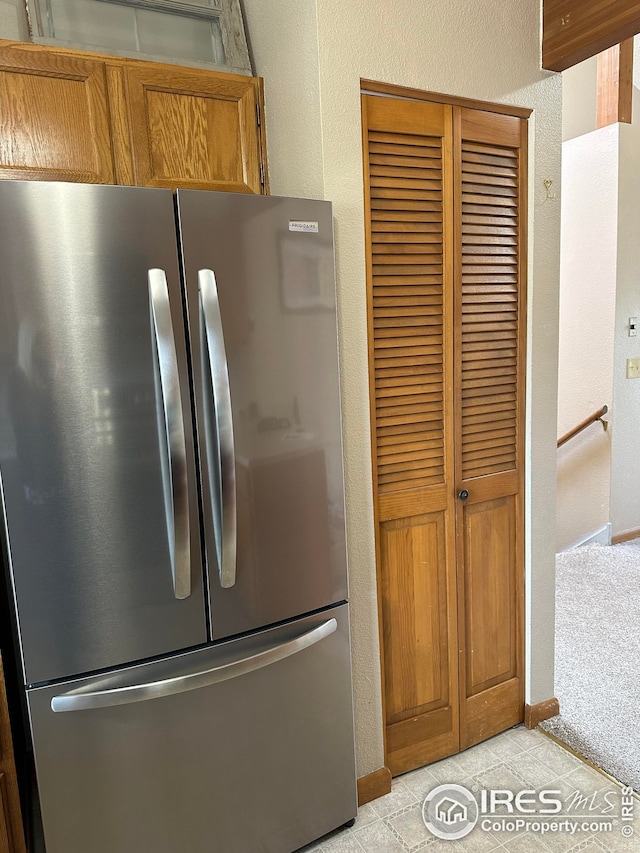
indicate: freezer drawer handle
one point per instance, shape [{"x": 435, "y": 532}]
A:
[
  {"x": 176, "y": 487},
  {"x": 76, "y": 700},
  {"x": 226, "y": 521}
]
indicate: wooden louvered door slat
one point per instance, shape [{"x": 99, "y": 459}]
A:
[
  {"x": 409, "y": 232},
  {"x": 489, "y": 217}
]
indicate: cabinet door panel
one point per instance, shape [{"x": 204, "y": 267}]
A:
[
  {"x": 194, "y": 129},
  {"x": 54, "y": 117}
]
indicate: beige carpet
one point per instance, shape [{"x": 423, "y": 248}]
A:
[{"x": 598, "y": 656}]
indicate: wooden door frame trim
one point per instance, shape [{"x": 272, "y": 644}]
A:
[
  {"x": 374, "y": 87},
  {"x": 372, "y": 416}
]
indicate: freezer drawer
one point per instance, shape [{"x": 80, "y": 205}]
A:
[{"x": 240, "y": 748}]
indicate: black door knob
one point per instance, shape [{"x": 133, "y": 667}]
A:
[{"x": 463, "y": 494}]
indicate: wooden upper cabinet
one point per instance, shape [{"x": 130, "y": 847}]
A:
[
  {"x": 194, "y": 129},
  {"x": 54, "y": 117},
  {"x": 71, "y": 116}
]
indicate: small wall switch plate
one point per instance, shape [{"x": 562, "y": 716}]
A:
[
  {"x": 633, "y": 368},
  {"x": 633, "y": 327}
]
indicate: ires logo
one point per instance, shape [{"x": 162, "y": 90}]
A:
[
  {"x": 523, "y": 802},
  {"x": 451, "y": 812}
]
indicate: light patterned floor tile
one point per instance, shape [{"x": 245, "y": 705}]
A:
[
  {"x": 526, "y": 738},
  {"x": 477, "y": 759},
  {"x": 378, "y": 838},
  {"x": 447, "y": 771},
  {"x": 438, "y": 846},
  {"x": 617, "y": 843},
  {"x": 591, "y": 847},
  {"x": 346, "y": 843},
  {"x": 586, "y": 780},
  {"x": 504, "y": 746},
  {"x": 420, "y": 782},
  {"x": 558, "y": 759},
  {"x": 399, "y": 798},
  {"x": 534, "y": 772},
  {"x": 563, "y": 842},
  {"x": 499, "y": 777},
  {"x": 527, "y": 843},
  {"x": 366, "y": 815},
  {"x": 410, "y": 826},
  {"x": 479, "y": 841}
]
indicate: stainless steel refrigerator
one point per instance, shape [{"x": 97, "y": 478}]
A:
[{"x": 171, "y": 470}]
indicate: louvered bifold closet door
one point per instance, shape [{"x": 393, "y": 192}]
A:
[
  {"x": 408, "y": 173},
  {"x": 490, "y": 303}
]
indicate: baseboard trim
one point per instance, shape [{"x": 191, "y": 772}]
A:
[
  {"x": 601, "y": 536},
  {"x": 625, "y": 536},
  {"x": 541, "y": 711},
  {"x": 374, "y": 785}
]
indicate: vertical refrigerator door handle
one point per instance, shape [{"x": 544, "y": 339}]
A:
[
  {"x": 175, "y": 475},
  {"x": 217, "y": 360}
]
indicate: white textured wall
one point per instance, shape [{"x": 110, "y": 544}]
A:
[
  {"x": 284, "y": 45},
  {"x": 600, "y": 224},
  {"x": 13, "y": 21},
  {"x": 446, "y": 47},
  {"x": 579, "y": 88},
  {"x": 587, "y": 312},
  {"x": 625, "y": 460}
]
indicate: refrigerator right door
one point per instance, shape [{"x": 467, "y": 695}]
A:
[{"x": 260, "y": 294}]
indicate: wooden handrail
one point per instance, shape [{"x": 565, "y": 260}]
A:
[{"x": 596, "y": 416}]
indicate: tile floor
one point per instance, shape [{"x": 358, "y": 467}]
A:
[{"x": 516, "y": 760}]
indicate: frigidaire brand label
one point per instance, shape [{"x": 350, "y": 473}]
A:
[{"x": 298, "y": 225}]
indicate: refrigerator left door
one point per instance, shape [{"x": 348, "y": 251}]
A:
[{"x": 96, "y": 453}]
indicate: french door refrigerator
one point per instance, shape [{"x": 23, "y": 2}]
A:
[{"x": 171, "y": 470}]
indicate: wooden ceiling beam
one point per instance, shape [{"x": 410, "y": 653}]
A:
[
  {"x": 574, "y": 30},
  {"x": 615, "y": 84}
]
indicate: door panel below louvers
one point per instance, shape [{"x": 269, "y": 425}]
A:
[{"x": 408, "y": 149}]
